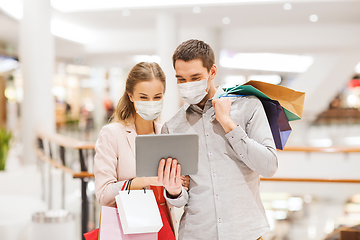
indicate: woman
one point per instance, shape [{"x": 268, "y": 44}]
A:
[{"x": 135, "y": 114}]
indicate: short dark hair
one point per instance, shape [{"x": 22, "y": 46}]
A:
[{"x": 195, "y": 49}]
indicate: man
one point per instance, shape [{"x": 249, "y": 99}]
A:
[{"x": 235, "y": 148}]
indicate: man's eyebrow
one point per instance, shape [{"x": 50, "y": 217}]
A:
[{"x": 194, "y": 75}]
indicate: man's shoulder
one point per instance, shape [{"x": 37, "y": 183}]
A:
[
  {"x": 247, "y": 99},
  {"x": 179, "y": 115}
]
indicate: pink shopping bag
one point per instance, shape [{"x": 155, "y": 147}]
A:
[{"x": 110, "y": 227}]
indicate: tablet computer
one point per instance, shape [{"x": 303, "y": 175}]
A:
[{"x": 150, "y": 149}]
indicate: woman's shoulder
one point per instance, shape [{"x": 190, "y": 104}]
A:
[{"x": 114, "y": 128}]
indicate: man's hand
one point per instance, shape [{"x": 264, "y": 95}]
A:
[
  {"x": 169, "y": 176},
  {"x": 222, "y": 108}
]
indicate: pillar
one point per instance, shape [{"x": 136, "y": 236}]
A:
[
  {"x": 37, "y": 58},
  {"x": 166, "y": 44}
]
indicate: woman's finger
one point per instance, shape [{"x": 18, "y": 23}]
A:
[{"x": 161, "y": 171}]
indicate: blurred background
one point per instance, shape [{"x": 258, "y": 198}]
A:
[{"x": 63, "y": 67}]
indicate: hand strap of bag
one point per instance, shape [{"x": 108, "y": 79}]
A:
[{"x": 129, "y": 186}]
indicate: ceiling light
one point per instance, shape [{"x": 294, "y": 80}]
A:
[
  {"x": 232, "y": 81},
  {"x": 313, "y": 18},
  {"x": 14, "y": 8},
  {"x": 266, "y": 61},
  {"x": 226, "y": 20},
  {"x": 352, "y": 140},
  {"x": 147, "y": 58},
  {"x": 126, "y": 12},
  {"x": 287, "y": 6},
  {"x": 72, "y": 32},
  {"x": 8, "y": 64},
  {"x": 323, "y": 142},
  {"x": 273, "y": 79},
  {"x": 196, "y": 10},
  {"x": 95, "y": 5}
]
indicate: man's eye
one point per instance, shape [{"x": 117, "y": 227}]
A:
[
  {"x": 196, "y": 79},
  {"x": 158, "y": 97},
  {"x": 181, "y": 80}
]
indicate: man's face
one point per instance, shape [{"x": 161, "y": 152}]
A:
[{"x": 190, "y": 71}]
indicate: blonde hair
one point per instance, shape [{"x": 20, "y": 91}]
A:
[{"x": 143, "y": 71}]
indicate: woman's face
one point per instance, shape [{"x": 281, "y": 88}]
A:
[{"x": 147, "y": 91}]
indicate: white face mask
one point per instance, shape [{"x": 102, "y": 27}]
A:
[
  {"x": 193, "y": 92},
  {"x": 149, "y": 110}
]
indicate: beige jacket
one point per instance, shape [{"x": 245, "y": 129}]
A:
[{"x": 115, "y": 161}]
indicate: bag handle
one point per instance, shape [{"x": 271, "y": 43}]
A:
[{"x": 129, "y": 186}]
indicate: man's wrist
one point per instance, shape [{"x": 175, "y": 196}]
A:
[{"x": 227, "y": 124}]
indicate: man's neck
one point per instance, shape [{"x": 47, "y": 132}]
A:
[{"x": 210, "y": 95}]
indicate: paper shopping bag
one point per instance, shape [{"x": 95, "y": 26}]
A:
[
  {"x": 290, "y": 100},
  {"x": 278, "y": 122},
  {"x": 110, "y": 227},
  {"x": 138, "y": 211}
]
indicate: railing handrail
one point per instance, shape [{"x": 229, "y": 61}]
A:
[
  {"x": 321, "y": 149},
  {"x": 65, "y": 141}
]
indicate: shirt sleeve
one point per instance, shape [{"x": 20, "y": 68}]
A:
[
  {"x": 105, "y": 164},
  {"x": 180, "y": 201},
  {"x": 119, "y": 186},
  {"x": 255, "y": 147}
]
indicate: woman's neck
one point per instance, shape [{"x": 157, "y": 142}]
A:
[{"x": 144, "y": 127}]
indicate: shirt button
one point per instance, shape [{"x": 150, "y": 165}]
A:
[
  {"x": 207, "y": 134},
  {"x": 214, "y": 174},
  {"x": 210, "y": 153},
  {"x": 219, "y": 220},
  {"x": 231, "y": 137}
]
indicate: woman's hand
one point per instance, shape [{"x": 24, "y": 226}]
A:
[
  {"x": 169, "y": 176},
  {"x": 153, "y": 181}
]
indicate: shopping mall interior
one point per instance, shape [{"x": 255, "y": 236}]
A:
[{"x": 63, "y": 67}]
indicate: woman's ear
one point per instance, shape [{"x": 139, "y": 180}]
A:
[{"x": 130, "y": 97}]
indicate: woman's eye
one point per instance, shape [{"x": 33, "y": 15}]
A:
[
  {"x": 143, "y": 97},
  {"x": 196, "y": 79},
  {"x": 157, "y": 97}
]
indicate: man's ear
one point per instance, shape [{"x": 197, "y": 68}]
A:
[
  {"x": 213, "y": 71},
  {"x": 130, "y": 97}
]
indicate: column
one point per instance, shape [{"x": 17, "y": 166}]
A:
[
  {"x": 37, "y": 58},
  {"x": 214, "y": 40},
  {"x": 166, "y": 44}
]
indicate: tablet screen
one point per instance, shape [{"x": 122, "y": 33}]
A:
[{"x": 149, "y": 149}]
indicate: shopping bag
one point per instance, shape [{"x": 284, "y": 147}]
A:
[
  {"x": 290, "y": 100},
  {"x": 92, "y": 235},
  {"x": 110, "y": 227},
  {"x": 138, "y": 211},
  {"x": 278, "y": 122}
]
